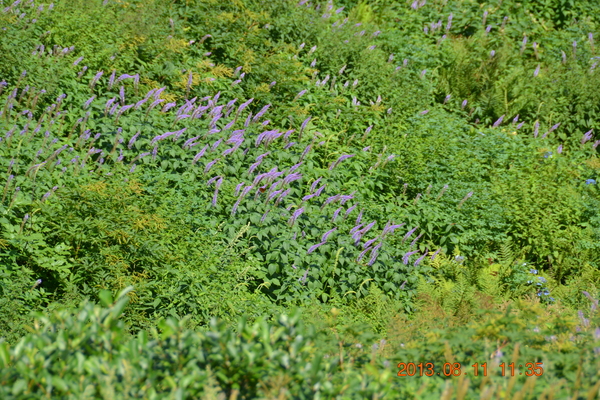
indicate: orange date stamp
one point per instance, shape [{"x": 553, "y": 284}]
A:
[{"x": 477, "y": 369}]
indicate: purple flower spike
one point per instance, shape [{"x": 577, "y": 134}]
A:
[
  {"x": 418, "y": 261},
  {"x": 369, "y": 243},
  {"x": 340, "y": 159},
  {"x": 392, "y": 228},
  {"x": 281, "y": 196},
  {"x": 308, "y": 197},
  {"x": 326, "y": 235},
  {"x": 360, "y": 215},
  {"x": 554, "y": 127},
  {"x": 200, "y": 154},
  {"x": 305, "y": 152},
  {"x": 416, "y": 239},
  {"x": 314, "y": 247},
  {"x": 300, "y": 94},
  {"x": 261, "y": 113},
  {"x": 314, "y": 184},
  {"x": 295, "y": 167},
  {"x": 374, "y": 255},
  {"x": 265, "y": 216},
  {"x": 409, "y": 233},
  {"x": 362, "y": 254},
  {"x": 306, "y": 121},
  {"x": 238, "y": 187},
  {"x": 465, "y": 199},
  {"x": 336, "y": 214},
  {"x": 295, "y": 215},
  {"x": 291, "y": 178},
  {"x": 435, "y": 254},
  {"x": 498, "y": 122},
  {"x": 348, "y": 211},
  {"x": 587, "y": 136},
  {"x": 406, "y": 257}
]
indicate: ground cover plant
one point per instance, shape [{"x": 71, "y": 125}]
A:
[{"x": 299, "y": 199}]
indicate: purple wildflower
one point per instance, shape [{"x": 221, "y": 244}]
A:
[
  {"x": 88, "y": 102},
  {"x": 406, "y": 257},
  {"x": 339, "y": 160},
  {"x": 392, "y": 228},
  {"x": 416, "y": 239},
  {"x": 362, "y": 254},
  {"x": 210, "y": 165},
  {"x": 306, "y": 121},
  {"x": 442, "y": 192},
  {"x": 465, "y": 199},
  {"x": 335, "y": 214},
  {"x": 359, "y": 218},
  {"x": 132, "y": 140},
  {"x": 370, "y": 242},
  {"x": 168, "y": 106},
  {"x": 345, "y": 198},
  {"x": 308, "y": 197},
  {"x": 200, "y": 154},
  {"x": 262, "y": 219},
  {"x": 306, "y": 150},
  {"x": 587, "y": 136},
  {"x": 295, "y": 215},
  {"x": 374, "y": 254},
  {"x": 349, "y": 210},
  {"x": 216, "y": 144},
  {"x": 554, "y": 127},
  {"x": 498, "y": 122},
  {"x": 273, "y": 195},
  {"x": 96, "y": 78},
  {"x": 111, "y": 80},
  {"x": 326, "y": 234},
  {"x": 281, "y": 196},
  {"x": 314, "y": 184},
  {"x": 418, "y": 261},
  {"x": 295, "y": 167},
  {"x": 313, "y": 248},
  {"x": 261, "y": 113},
  {"x": 409, "y": 233},
  {"x": 292, "y": 177},
  {"x": 300, "y": 94}
]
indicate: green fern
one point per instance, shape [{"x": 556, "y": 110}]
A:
[{"x": 507, "y": 254}]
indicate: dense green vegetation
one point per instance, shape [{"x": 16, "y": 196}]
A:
[{"x": 291, "y": 200}]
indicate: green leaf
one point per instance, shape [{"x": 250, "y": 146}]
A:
[{"x": 106, "y": 298}]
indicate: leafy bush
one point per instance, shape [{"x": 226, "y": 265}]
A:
[{"x": 396, "y": 170}]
